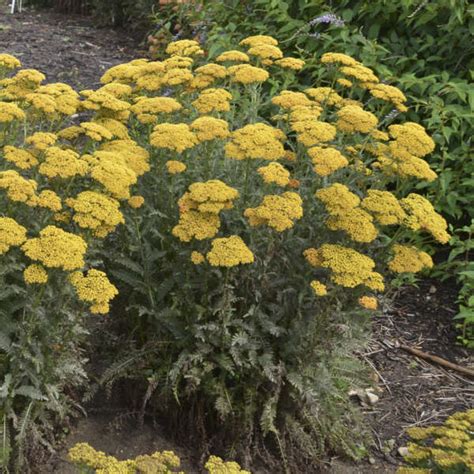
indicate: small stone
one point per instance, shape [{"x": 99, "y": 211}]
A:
[
  {"x": 371, "y": 398},
  {"x": 433, "y": 289},
  {"x": 371, "y": 461},
  {"x": 403, "y": 451}
]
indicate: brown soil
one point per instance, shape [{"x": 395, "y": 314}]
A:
[
  {"x": 412, "y": 392},
  {"x": 67, "y": 48}
]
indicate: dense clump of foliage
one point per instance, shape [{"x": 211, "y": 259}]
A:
[
  {"x": 423, "y": 46},
  {"x": 250, "y": 223}
]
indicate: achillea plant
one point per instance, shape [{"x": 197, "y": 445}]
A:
[
  {"x": 251, "y": 228},
  {"x": 448, "y": 448}
]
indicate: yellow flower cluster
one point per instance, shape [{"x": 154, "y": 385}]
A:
[
  {"x": 246, "y": 74},
  {"x": 96, "y": 211},
  {"x": 175, "y": 167},
  {"x": 35, "y": 274},
  {"x": 7, "y": 61},
  {"x": 409, "y": 259},
  {"x": 389, "y": 94},
  {"x": 12, "y": 234},
  {"x": 56, "y": 248},
  {"x": 313, "y": 132},
  {"x": 209, "y": 128},
  {"x": 445, "y": 448},
  {"x": 276, "y": 211},
  {"x": 213, "y": 100},
  {"x": 352, "y": 118},
  {"x": 274, "y": 173},
  {"x": 267, "y": 53},
  {"x": 215, "y": 465},
  {"x": 320, "y": 289},
  {"x": 94, "y": 288},
  {"x": 18, "y": 188},
  {"x": 147, "y": 109},
  {"x": 200, "y": 208},
  {"x": 325, "y": 96},
  {"x": 422, "y": 216},
  {"x": 21, "y": 158},
  {"x": 233, "y": 56},
  {"x": 62, "y": 163},
  {"x": 10, "y": 112},
  {"x": 208, "y": 74},
  {"x": 368, "y": 302},
  {"x": 173, "y": 136},
  {"x": 289, "y": 100},
  {"x": 184, "y": 48},
  {"x": 384, "y": 207},
  {"x": 327, "y": 160},
  {"x": 229, "y": 252},
  {"x": 258, "y": 40},
  {"x": 256, "y": 141},
  {"x": 24, "y": 82},
  {"x": 349, "y": 268}
]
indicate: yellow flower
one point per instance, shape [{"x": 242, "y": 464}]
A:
[
  {"x": 147, "y": 108},
  {"x": 413, "y": 138},
  {"x": 355, "y": 119},
  {"x": 56, "y": 248},
  {"x": 49, "y": 200},
  {"x": 184, "y": 48},
  {"x": 319, "y": 288},
  {"x": 18, "y": 188},
  {"x": 96, "y": 211},
  {"x": 123, "y": 73},
  {"x": 41, "y": 140},
  {"x": 209, "y": 128},
  {"x": 115, "y": 127},
  {"x": 62, "y": 164},
  {"x": 209, "y": 197},
  {"x": 384, "y": 206},
  {"x": 344, "y": 82},
  {"x": 22, "y": 159},
  {"x": 361, "y": 73},
  {"x": 355, "y": 222},
  {"x": 409, "y": 259},
  {"x": 421, "y": 215},
  {"x": 94, "y": 288},
  {"x": 35, "y": 274},
  {"x": 255, "y": 141},
  {"x": 10, "y": 112},
  {"x": 290, "y": 63},
  {"x": 96, "y": 131},
  {"x": 276, "y": 211},
  {"x": 70, "y": 133},
  {"x": 196, "y": 225},
  {"x": 388, "y": 93},
  {"x": 338, "y": 58},
  {"x": 327, "y": 160},
  {"x": 368, "y": 302},
  {"x": 136, "y": 202},
  {"x": 197, "y": 258},
  {"x": 266, "y": 52},
  {"x": 24, "y": 82},
  {"x": 130, "y": 154},
  {"x": 8, "y": 61},
  {"x": 257, "y": 40},
  {"x": 215, "y": 465},
  {"x": 12, "y": 234},
  {"x": 349, "y": 268},
  {"x": 175, "y": 167},
  {"x": 213, "y": 100},
  {"x": 233, "y": 56},
  {"x": 337, "y": 198},
  {"x": 289, "y": 99},
  {"x": 274, "y": 173},
  {"x": 324, "y": 95},
  {"x": 229, "y": 252},
  {"x": 246, "y": 74},
  {"x": 313, "y": 132},
  {"x": 173, "y": 136}
]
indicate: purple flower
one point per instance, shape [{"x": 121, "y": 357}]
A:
[{"x": 327, "y": 18}]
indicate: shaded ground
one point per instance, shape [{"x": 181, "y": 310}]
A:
[
  {"x": 411, "y": 392},
  {"x": 67, "y": 48}
]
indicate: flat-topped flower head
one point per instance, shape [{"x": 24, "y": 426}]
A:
[
  {"x": 256, "y": 141},
  {"x": 7, "y": 61},
  {"x": 62, "y": 163},
  {"x": 289, "y": 99},
  {"x": 56, "y": 248},
  {"x": 10, "y": 112},
  {"x": 294, "y": 64},
  {"x": 352, "y": 118},
  {"x": 233, "y": 56},
  {"x": 21, "y": 158},
  {"x": 12, "y": 234},
  {"x": 413, "y": 138},
  {"x": 175, "y": 167},
  {"x": 196, "y": 225},
  {"x": 356, "y": 223},
  {"x": 256, "y": 40},
  {"x": 35, "y": 274},
  {"x": 313, "y": 132},
  {"x": 94, "y": 288},
  {"x": 210, "y": 128},
  {"x": 327, "y": 160},
  {"x": 409, "y": 259},
  {"x": 338, "y": 58},
  {"x": 349, "y": 268},
  {"x": 213, "y": 100},
  {"x": 274, "y": 173},
  {"x": 246, "y": 74},
  {"x": 208, "y": 197},
  {"x": 368, "y": 302},
  {"x": 229, "y": 252},
  {"x": 324, "y": 95},
  {"x": 173, "y": 136},
  {"x": 18, "y": 188},
  {"x": 277, "y": 211},
  {"x": 337, "y": 198},
  {"x": 184, "y": 48},
  {"x": 384, "y": 207}
]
